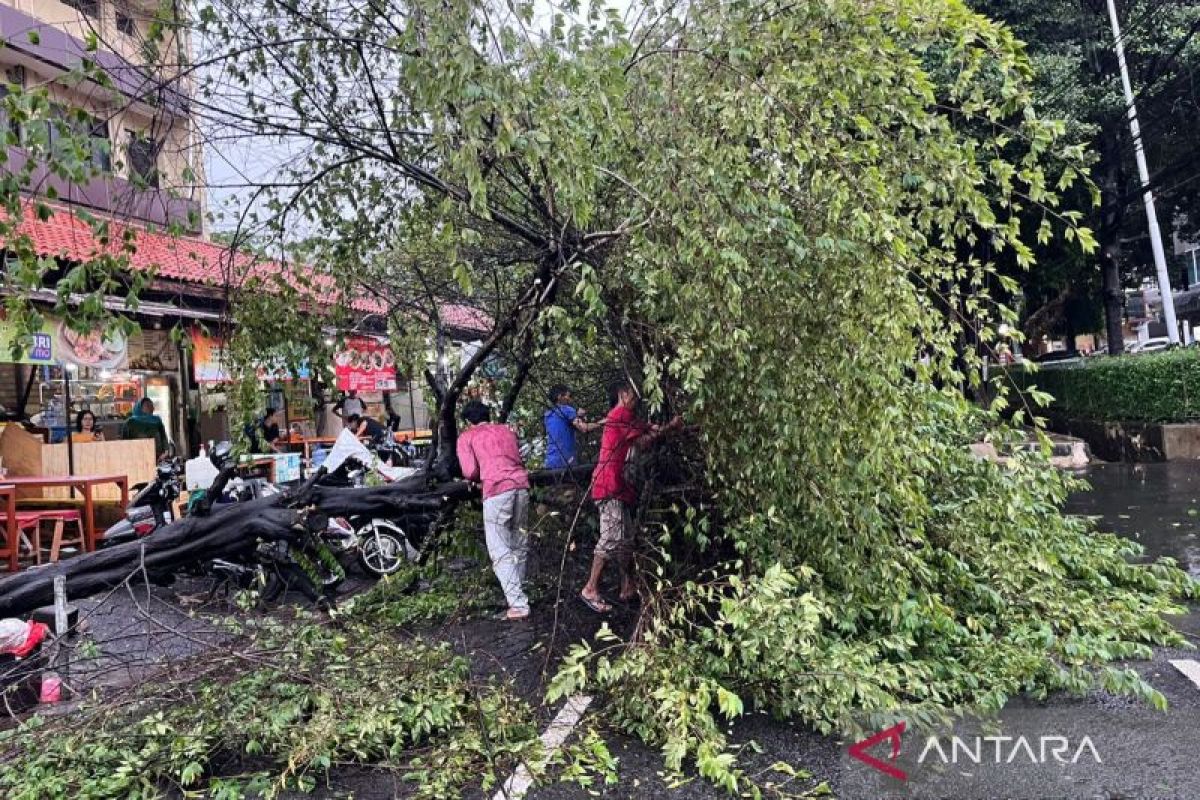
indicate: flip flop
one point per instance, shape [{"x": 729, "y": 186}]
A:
[
  {"x": 504, "y": 616},
  {"x": 598, "y": 605}
]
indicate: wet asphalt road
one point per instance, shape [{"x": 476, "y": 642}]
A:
[{"x": 1142, "y": 752}]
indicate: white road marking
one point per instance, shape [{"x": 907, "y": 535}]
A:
[
  {"x": 559, "y": 729},
  {"x": 1190, "y": 669}
]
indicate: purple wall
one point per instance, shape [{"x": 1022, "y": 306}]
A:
[
  {"x": 59, "y": 49},
  {"x": 114, "y": 196}
]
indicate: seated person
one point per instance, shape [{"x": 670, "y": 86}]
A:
[
  {"x": 145, "y": 424},
  {"x": 85, "y": 428}
]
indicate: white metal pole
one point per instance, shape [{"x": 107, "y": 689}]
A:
[{"x": 1156, "y": 245}]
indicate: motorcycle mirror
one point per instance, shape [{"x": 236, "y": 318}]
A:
[{"x": 220, "y": 454}]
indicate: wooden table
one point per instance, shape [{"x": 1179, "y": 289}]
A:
[
  {"x": 11, "y": 537},
  {"x": 85, "y": 484}
]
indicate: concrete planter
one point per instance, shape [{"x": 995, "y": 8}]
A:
[{"x": 1133, "y": 441}]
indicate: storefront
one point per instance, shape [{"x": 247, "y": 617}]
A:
[
  {"x": 66, "y": 372},
  {"x": 211, "y": 375}
]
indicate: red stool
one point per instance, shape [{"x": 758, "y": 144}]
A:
[
  {"x": 30, "y": 521},
  {"x": 61, "y": 518},
  {"x": 28, "y": 533}
]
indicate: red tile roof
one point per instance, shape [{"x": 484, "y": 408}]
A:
[
  {"x": 190, "y": 260},
  {"x": 466, "y": 318}
]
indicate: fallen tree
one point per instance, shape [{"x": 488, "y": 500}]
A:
[{"x": 230, "y": 529}]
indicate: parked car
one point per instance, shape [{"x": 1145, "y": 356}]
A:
[
  {"x": 1059, "y": 358},
  {"x": 1150, "y": 345}
]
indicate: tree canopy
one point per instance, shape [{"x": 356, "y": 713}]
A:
[{"x": 1070, "y": 45}]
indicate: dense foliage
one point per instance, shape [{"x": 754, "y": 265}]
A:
[
  {"x": 1155, "y": 387},
  {"x": 1070, "y": 44},
  {"x": 275, "y": 712}
]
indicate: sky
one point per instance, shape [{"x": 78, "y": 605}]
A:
[{"x": 231, "y": 165}]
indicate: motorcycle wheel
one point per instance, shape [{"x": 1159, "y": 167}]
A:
[
  {"x": 383, "y": 547},
  {"x": 283, "y": 577}
]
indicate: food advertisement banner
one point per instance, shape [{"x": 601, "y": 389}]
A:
[
  {"x": 366, "y": 365},
  {"x": 92, "y": 349}
]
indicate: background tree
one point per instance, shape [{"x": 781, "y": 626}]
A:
[{"x": 1070, "y": 44}]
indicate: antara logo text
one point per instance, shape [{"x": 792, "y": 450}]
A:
[{"x": 975, "y": 750}]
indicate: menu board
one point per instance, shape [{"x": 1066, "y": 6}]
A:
[{"x": 366, "y": 365}]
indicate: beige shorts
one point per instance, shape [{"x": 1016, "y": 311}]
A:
[{"x": 616, "y": 527}]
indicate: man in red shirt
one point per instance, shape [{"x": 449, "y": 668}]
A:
[
  {"x": 490, "y": 454},
  {"x": 614, "y": 495}
]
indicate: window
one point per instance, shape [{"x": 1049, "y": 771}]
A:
[
  {"x": 14, "y": 77},
  {"x": 89, "y": 7},
  {"x": 125, "y": 23},
  {"x": 69, "y": 126},
  {"x": 143, "y": 159}
]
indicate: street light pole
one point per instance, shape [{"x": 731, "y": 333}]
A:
[{"x": 1156, "y": 245}]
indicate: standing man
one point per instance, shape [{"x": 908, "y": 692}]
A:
[
  {"x": 264, "y": 433},
  {"x": 615, "y": 496},
  {"x": 562, "y": 420},
  {"x": 489, "y": 453},
  {"x": 349, "y": 406}
]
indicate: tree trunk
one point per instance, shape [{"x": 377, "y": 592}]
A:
[
  {"x": 1112, "y": 218},
  {"x": 233, "y": 530}
]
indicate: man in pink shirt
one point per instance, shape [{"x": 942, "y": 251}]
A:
[{"x": 489, "y": 454}]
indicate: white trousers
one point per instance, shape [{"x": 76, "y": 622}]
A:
[{"x": 504, "y": 520}]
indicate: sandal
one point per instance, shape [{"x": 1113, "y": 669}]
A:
[
  {"x": 598, "y": 605},
  {"x": 508, "y": 616}
]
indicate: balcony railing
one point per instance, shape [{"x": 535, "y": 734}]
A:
[{"x": 56, "y": 49}]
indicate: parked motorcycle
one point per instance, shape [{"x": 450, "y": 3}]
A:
[
  {"x": 151, "y": 507},
  {"x": 380, "y": 546},
  {"x": 296, "y": 559}
]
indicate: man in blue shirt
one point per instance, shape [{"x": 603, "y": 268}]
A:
[{"x": 562, "y": 420}]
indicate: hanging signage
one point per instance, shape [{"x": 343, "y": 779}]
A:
[
  {"x": 210, "y": 364},
  {"x": 208, "y": 359},
  {"x": 92, "y": 348},
  {"x": 39, "y": 349},
  {"x": 153, "y": 351},
  {"x": 366, "y": 365}
]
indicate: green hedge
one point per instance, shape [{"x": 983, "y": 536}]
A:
[{"x": 1156, "y": 387}]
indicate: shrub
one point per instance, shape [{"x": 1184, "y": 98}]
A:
[{"x": 1156, "y": 387}]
